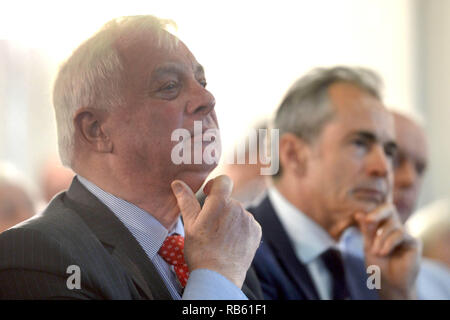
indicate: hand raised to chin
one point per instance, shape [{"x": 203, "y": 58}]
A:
[
  {"x": 222, "y": 236},
  {"x": 388, "y": 246}
]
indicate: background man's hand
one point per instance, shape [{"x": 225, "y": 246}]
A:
[
  {"x": 389, "y": 246},
  {"x": 222, "y": 236}
]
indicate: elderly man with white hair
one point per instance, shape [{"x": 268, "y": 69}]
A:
[{"x": 117, "y": 233}]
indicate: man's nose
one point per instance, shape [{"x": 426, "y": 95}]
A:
[
  {"x": 201, "y": 102},
  {"x": 405, "y": 174},
  {"x": 378, "y": 163}
]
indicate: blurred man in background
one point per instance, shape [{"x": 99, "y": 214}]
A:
[
  {"x": 410, "y": 164},
  {"x": 337, "y": 151},
  {"x": 248, "y": 182},
  {"x": 433, "y": 281},
  {"x": 16, "y": 198},
  {"x": 54, "y": 178}
]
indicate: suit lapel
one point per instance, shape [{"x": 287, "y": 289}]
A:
[
  {"x": 276, "y": 238},
  {"x": 111, "y": 232}
]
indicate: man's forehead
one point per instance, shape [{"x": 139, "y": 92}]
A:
[
  {"x": 406, "y": 128},
  {"x": 147, "y": 54},
  {"x": 358, "y": 111},
  {"x": 153, "y": 37},
  {"x": 410, "y": 137},
  {"x": 176, "y": 67}
]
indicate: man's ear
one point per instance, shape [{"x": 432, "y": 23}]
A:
[
  {"x": 89, "y": 125},
  {"x": 294, "y": 154}
]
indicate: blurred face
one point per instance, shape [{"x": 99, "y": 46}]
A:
[
  {"x": 165, "y": 90},
  {"x": 350, "y": 167},
  {"x": 55, "y": 178},
  {"x": 15, "y": 206},
  {"x": 248, "y": 182},
  {"x": 410, "y": 165}
]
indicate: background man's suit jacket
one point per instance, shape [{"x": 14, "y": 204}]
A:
[
  {"x": 77, "y": 229},
  {"x": 283, "y": 276}
]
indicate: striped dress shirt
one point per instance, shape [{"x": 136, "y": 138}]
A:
[{"x": 150, "y": 234}]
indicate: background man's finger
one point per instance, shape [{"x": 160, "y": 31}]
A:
[
  {"x": 381, "y": 214},
  {"x": 391, "y": 243},
  {"x": 363, "y": 227},
  {"x": 381, "y": 235}
]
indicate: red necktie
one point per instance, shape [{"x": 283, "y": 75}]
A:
[{"x": 172, "y": 252}]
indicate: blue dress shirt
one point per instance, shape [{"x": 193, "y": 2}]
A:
[{"x": 203, "y": 284}]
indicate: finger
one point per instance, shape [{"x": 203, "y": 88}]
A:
[
  {"x": 208, "y": 186},
  {"x": 381, "y": 235},
  {"x": 187, "y": 202},
  {"x": 392, "y": 242},
  {"x": 360, "y": 220},
  {"x": 255, "y": 225},
  {"x": 390, "y": 198},
  {"x": 217, "y": 200},
  {"x": 219, "y": 194},
  {"x": 362, "y": 225},
  {"x": 380, "y": 214},
  {"x": 406, "y": 241},
  {"x": 221, "y": 186}
]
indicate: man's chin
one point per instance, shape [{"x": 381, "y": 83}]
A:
[
  {"x": 195, "y": 175},
  {"x": 366, "y": 206}
]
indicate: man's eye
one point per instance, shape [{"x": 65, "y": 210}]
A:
[
  {"x": 203, "y": 83},
  {"x": 391, "y": 152},
  {"x": 170, "y": 86},
  {"x": 360, "y": 143},
  {"x": 420, "y": 168}
]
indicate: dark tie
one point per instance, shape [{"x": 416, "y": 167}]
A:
[
  {"x": 172, "y": 252},
  {"x": 333, "y": 261}
]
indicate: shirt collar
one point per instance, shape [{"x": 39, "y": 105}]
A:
[
  {"x": 310, "y": 240},
  {"x": 147, "y": 230}
]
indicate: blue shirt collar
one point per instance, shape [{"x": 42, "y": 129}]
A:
[{"x": 309, "y": 239}]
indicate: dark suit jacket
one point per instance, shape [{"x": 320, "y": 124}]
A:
[
  {"x": 77, "y": 229},
  {"x": 283, "y": 276}
]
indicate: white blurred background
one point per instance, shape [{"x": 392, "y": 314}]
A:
[{"x": 251, "y": 50}]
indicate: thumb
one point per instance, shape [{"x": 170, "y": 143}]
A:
[
  {"x": 187, "y": 202},
  {"x": 359, "y": 217},
  {"x": 364, "y": 229}
]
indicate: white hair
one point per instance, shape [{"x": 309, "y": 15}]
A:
[{"x": 92, "y": 76}]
